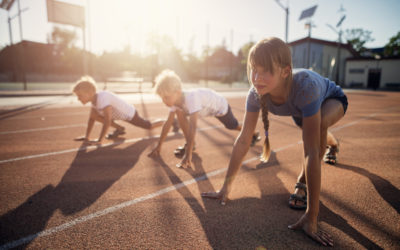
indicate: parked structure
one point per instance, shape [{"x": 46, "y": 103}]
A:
[
  {"x": 375, "y": 73},
  {"x": 322, "y": 56}
]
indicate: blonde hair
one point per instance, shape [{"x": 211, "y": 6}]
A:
[
  {"x": 84, "y": 85},
  {"x": 167, "y": 82},
  {"x": 268, "y": 53}
]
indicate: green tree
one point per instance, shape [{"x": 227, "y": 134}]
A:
[
  {"x": 392, "y": 48},
  {"x": 358, "y": 38}
]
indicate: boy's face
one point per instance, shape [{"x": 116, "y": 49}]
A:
[
  {"x": 84, "y": 97},
  {"x": 171, "y": 99}
]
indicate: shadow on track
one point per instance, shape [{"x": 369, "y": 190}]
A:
[
  {"x": 249, "y": 223},
  {"x": 88, "y": 178},
  {"x": 28, "y": 108},
  {"x": 385, "y": 189}
]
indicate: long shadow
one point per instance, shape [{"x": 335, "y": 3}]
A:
[
  {"x": 24, "y": 109},
  {"x": 330, "y": 217},
  {"x": 248, "y": 223},
  {"x": 145, "y": 114},
  {"x": 237, "y": 225},
  {"x": 385, "y": 189},
  {"x": 340, "y": 223},
  {"x": 87, "y": 179},
  {"x": 325, "y": 214}
]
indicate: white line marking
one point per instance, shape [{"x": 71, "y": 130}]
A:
[
  {"x": 53, "y": 115},
  {"x": 92, "y": 147},
  {"x": 145, "y": 197},
  {"x": 41, "y": 129}
]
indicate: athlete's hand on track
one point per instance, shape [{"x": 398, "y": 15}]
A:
[
  {"x": 310, "y": 227},
  {"x": 219, "y": 195},
  {"x": 185, "y": 163},
  {"x": 155, "y": 152}
]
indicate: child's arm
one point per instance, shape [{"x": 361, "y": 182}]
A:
[
  {"x": 106, "y": 124},
  {"x": 240, "y": 148},
  {"x": 164, "y": 131},
  {"x": 312, "y": 147},
  {"x": 187, "y": 158},
  {"x": 88, "y": 128},
  {"x": 90, "y": 124}
]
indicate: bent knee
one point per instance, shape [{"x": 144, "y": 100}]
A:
[{"x": 231, "y": 126}]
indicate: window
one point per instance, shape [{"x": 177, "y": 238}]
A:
[{"x": 356, "y": 71}]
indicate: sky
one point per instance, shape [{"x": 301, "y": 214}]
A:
[{"x": 114, "y": 24}]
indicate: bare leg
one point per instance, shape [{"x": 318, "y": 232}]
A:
[
  {"x": 331, "y": 112},
  {"x": 331, "y": 140},
  {"x": 183, "y": 123},
  {"x": 256, "y": 135},
  {"x": 97, "y": 117},
  {"x": 157, "y": 123}
]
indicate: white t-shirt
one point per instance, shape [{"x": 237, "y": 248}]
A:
[
  {"x": 205, "y": 101},
  {"x": 120, "y": 110}
]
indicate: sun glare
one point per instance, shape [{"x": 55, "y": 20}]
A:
[{"x": 131, "y": 22}]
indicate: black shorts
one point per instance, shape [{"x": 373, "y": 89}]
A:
[
  {"x": 342, "y": 99},
  {"x": 229, "y": 121},
  {"x": 137, "y": 120}
]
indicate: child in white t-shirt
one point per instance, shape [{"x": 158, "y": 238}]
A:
[
  {"x": 193, "y": 103},
  {"x": 106, "y": 108}
]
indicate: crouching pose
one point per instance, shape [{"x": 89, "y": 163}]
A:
[
  {"x": 314, "y": 102},
  {"x": 192, "y": 103},
  {"x": 107, "y": 108}
]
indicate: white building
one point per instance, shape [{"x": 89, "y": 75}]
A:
[{"x": 373, "y": 73}]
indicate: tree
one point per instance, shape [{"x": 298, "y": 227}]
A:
[
  {"x": 68, "y": 57},
  {"x": 357, "y": 38},
  {"x": 63, "y": 37},
  {"x": 392, "y": 48},
  {"x": 192, "y": 66},
  {"x": 243, "y": 54}
]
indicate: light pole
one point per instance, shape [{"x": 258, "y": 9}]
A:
[
  {"x": 286, "y": 9},
  {"x": 339, "y": 44},
  {"x": 307, "y": 14}
]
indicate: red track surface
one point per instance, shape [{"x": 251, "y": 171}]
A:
[{"x": 55, "y": 194}]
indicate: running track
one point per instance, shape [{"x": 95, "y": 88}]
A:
[{"x": 56, "y": 193}]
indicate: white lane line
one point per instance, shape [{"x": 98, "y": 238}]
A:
[
  {"x": 108, "y": 210},
  {"x": 41, "y": 129},
  {"x": 49, "y": 128},
  {"x": 355, "y": 122},
  {"x": 93, "y": 147},
  {"x": 52, "y": 115},
  {"x": 148, "y": 196}
]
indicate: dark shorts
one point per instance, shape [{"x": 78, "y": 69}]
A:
[
  {"x": 229, "y": 121},
  {"x": 138, "y": 121},
  {"x": 342, "y": 99}
]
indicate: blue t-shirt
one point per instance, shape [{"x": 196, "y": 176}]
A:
[{"x": 308, "y": 91}]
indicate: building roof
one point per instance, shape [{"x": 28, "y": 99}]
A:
[{"x": 324, "y": 42}]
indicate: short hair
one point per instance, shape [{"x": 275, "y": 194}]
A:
[
  {"x": 167, "y": 82},
  {"x": 85, "y": 84}
]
